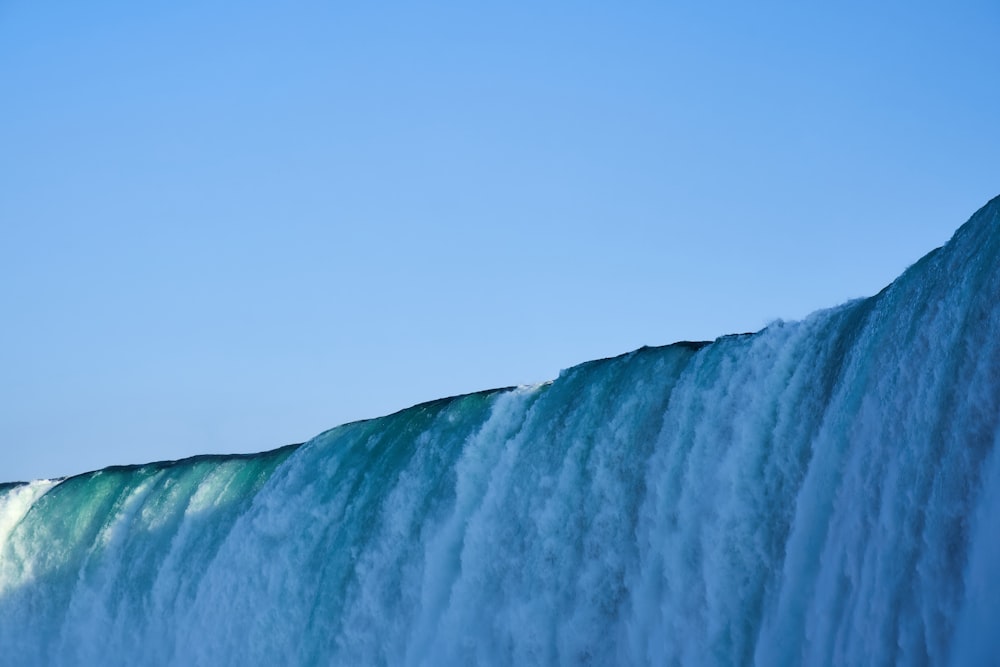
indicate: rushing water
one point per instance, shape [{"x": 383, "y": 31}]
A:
[{"x": 821, "y": 492}]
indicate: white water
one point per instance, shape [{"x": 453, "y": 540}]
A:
[{"x": 822, "y": 492}]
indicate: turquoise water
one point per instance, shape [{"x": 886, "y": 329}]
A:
[{"x": 825, "y": 492}]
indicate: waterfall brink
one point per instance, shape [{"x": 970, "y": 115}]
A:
[{"x": 825, "y": 492}]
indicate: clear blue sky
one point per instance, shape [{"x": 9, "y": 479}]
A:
[{"x": 229, "y": 226}]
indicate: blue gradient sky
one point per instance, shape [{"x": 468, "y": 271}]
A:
[{"x": 228, "y": 226}]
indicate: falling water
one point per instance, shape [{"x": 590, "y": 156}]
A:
[{"x": 825, "y": 492}]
